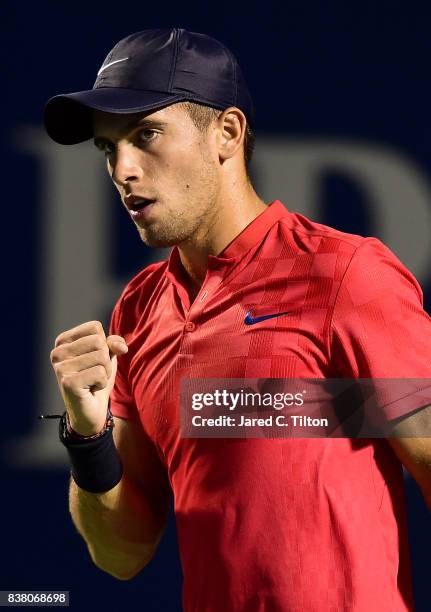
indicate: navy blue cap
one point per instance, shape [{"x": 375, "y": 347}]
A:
[{"x": 149, "y": 70}]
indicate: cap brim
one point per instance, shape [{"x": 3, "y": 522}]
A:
[{"x": 69, "y": 119}]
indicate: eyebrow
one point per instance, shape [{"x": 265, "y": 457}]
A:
[{"x": 142, "y": 123}]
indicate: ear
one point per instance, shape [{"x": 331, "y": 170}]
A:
[{"x": 232, "y": 126}]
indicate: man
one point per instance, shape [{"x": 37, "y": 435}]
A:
[{"x": 263, "y": 524}]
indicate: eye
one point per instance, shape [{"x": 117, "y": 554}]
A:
[
  {"x": 108, "y": 149},
  {"x": 147, "y": 135},
  {"x": 105, "y": 146}
]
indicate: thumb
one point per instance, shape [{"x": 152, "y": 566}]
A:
[
  {"x": 117, "y": 345},
  {"x": 111, "y": 380}
]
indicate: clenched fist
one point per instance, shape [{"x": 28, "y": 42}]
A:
[{"x": 85, "y": 363}]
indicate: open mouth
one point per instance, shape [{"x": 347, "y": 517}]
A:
[
  {"x": 140, "y": 204},
  {"x": 139, "y": 209}
]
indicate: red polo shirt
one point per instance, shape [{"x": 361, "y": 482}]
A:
[{"x": 280, "y": 525}]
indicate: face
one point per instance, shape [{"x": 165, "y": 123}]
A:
[{"x": 166, "y": 172}]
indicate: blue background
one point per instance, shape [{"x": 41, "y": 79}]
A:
[{"x": 316, "y": 69}]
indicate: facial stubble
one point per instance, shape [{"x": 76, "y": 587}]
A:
[{"x": 190, "y": 216}]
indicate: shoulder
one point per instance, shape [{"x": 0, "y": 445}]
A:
[
  {"x": 144, "y": 280},
  {"x": 137, "y": 294},
  {"x": 374, "y": 269},
  {"x": 338, "y": 254},
  {"x": 318, "y": 249},
  {"x": 309, "y": 235}
]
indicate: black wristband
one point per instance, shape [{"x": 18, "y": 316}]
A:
[{"x": 96, "y": 464}]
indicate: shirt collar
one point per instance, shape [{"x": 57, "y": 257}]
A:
[{"x": 250, "y": 236}]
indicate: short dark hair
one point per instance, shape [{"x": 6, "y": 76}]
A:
[{"x": 202, "y": 116}]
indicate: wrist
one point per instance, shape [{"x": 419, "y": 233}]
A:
[
  {"x": 79, "y": 431},
  {"x": 95, "y": 462}
]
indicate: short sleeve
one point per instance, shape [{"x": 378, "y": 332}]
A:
[
  {"x": 379, "y": 327},
  {"x": 122, "y": 402}
]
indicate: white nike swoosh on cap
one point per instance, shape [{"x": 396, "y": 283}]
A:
[{"x": 111, "y": 64}]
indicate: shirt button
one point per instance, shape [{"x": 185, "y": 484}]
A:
[{"x": 190, "y": 326}]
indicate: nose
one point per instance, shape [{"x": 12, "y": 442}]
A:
[{"x": 125, "y": 164}]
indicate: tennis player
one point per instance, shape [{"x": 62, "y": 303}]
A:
[{"x": 250, "y": 290}]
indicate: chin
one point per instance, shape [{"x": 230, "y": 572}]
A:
[{"x": 159, "y": 241}]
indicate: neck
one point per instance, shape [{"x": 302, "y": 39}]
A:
[{"x": 231, "y": 216}]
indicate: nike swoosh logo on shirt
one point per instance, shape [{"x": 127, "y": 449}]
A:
[
  {"x": 249, "y": 320},
  {"x": 111, "y": 64}
]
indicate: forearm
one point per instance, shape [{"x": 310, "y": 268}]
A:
[{"x": 119, "y": 527}]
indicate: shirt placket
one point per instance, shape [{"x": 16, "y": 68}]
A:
[{"x": 213, "y": 280}]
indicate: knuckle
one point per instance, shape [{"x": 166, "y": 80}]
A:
[
  {"x": 97, "y": 326},
  {"x": 58, "y": 370},
  {"x": 99, "y": 342},
  {"x": 103, "y": 357},
  {"x": 58, "y": 340},
  {"x": 58, "y": 355}
]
